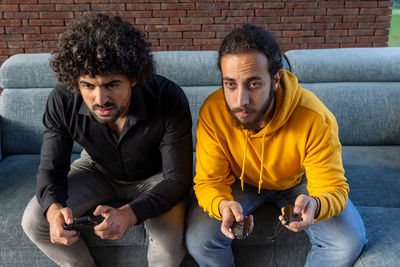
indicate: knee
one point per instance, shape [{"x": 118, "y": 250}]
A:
[
  {"x": 353, "y": 243},
  {"x": 33, "y": 224}
]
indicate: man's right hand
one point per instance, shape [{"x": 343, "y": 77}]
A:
[
  {"x": 231, "y": 211},
  {"x": 57, "y": 215}
]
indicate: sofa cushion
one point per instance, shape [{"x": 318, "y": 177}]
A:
[
  {"x": 373, "y": 173},
  {"x": 367, "y": 113},
  {"x": 345, "y": 64}
]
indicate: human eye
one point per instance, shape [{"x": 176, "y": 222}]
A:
[
  {"x": 112, "y": 85},
  {"x": 254, "y": 84},
  {"x": 229, "y": 85}
]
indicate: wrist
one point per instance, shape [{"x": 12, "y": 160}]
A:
[
  {"x": 318, "y": 207},
  {"x": 129, "y": 214}
]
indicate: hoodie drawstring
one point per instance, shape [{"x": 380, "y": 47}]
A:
[
  {"x": 244, "y": 161},
  {"x": 260, "y": 180}
]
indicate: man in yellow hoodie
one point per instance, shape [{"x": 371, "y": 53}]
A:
[{"x": 258, "y": 138}]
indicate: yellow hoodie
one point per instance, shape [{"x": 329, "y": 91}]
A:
[{"x": 302, "y": 136}]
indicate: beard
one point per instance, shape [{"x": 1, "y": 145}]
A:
[
  {"x": 252, "y": 125},
  {"x": 109, "y": 119}
]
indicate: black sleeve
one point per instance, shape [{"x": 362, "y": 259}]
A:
[
  {"x": 177, "y": 156},
  {"x": 55, "y": 155}
]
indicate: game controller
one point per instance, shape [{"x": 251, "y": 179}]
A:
[
  {"x": 241, "y": 229},
  {"x": 289, "y": 215},
  {"x": 84, "y": 222}
]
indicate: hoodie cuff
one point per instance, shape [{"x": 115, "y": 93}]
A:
[{"x": 215, "y": 207}]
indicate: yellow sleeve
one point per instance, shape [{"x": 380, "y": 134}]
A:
[
  {"x": 324, "y": 168},
  {"x": 213, "y": 176}
]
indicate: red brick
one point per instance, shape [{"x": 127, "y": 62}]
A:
[
  {"x": 308, "y": 40},
  {"x": 165, "y": 35},
  {"x": 8, "y": 8},
  {"x": 46, "y": 22},
  {"x": 331, "y": 33},
  {"x": 385, "y": 44},
  {"x": 385, "y": 3},
  {"x": 335, "y": 39},
  {"x": 208, "y": 42},
  {"x": 210, "y": 47},
  {"x": 20, "y": 15},
  {"x": 136, "y": 14},
  {"x": 217, "y": 28},
  {"x": 246, "y": 5},
  {"x": 322, "y": 46},
  {"x": 183, "y": 48},
  {"x": 328, "y": 19},
  {"x": 174, "y": 21},
  {"x": 265, "y": 20},
  {"x": 24, "y": 44},
  {"x": 230, "y": 20},
  {"x": 313, "y": 4},
  {"x": 297, "y": 19},
  {"x": 204, "y": 20},
  {"x": 272, "y": 12},
  {"x": 331, "y": 4},
  {"x": 159, "y": 48},
  {"x": 287, "y": 47},
  {"x": 375, "y": 11},
  {"x": 176, "y": 41},
  {"x": 373, "y": 39},
  {"x": 41, "y": 37},
  {"x": 169, "y": 13},
  {"x": 151, "y": 21},
  {"x": 154, "y": 42},
  {"x": 38, "y": 50},
  {"x": 50, "y": 43},
  {"x": 284, "y": 26},
  {"x": 37, "y": 7},
  {"x": 177, "y": 6},
  {"x": 281, "y": 40},
  {"x": 307, "y": 12},
  {"x": 342, "y": 11},
  {"x": 101, "y": 7},
  {"x": 56, "y": 1},
  {"x": 212, "y": 6},
  {"x": 11, "y": 37},
  {"x": 274, "y": 4},
  {"x": 350, "y": 4},
  {"x": 358, "y": 18},
  {"x": 19, "y": 1},
  {"x": 3, "y": 44},
  {"x": 382, "y": 32},
  {"x": 297, "y": 33},
  {"x": 53, "y": 29},
  {"x": 199, "y": 35},
  {"x": 318, "y": 26},
  {"x": 56, "y": 15},
  {"x": 361, "y": 32},
  {"x": 156, "y": 28},
  {"x": 346, "y": 25},
  {"x": 373, "y": 25},
  {"x": 184, "y": 28},
  {"x": 143, "y": 7},
  {"x": 204, "y": 13},
  {"x": 383, "y": 18},
  {"x": 221, "y": 35},
  {"x": 72, "y": 7},
  {"x": 90, "y": 1},
  {"x": 22, "y": 30},
  {"x": 10, "y": 22},
  {"x": 237, "y": 13}
]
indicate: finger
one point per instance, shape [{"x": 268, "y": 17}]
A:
[
  {"x": 227, "y": 221},
  {"x": 237, "y": 212},
  {"x": 251, "y": 217},
  {"x": 300, "y": 203},
  {"x": 102, "y": 210},
  {"x": 67, "y": 215}
]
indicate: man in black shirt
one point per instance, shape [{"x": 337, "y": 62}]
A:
[{"x": 135, "y": 130}]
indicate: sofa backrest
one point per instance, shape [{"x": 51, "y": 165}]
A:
[{"x": 361, "y": 86}]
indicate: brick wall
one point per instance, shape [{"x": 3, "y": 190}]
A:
[{"x": 33, "y": 26}]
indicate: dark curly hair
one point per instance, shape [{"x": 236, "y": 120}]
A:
[
  {"x": 99, "y": 44},
  {"x": 252, "y": 38}
]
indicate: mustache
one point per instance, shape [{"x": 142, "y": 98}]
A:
[
  {"x": 243, "y": 109},
  {"x": 106, "y": 105}
]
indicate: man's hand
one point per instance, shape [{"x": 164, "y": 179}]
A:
[
  {"x": 306, "y": 207},
  {"x": 232, "y": 211},
  {"x": 57, "y": 215},
  {"x": 116, "y": 221}
]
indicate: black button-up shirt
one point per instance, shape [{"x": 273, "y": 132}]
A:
[{"x": 156, "y": 138}]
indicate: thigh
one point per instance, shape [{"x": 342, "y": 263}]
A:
[{"x": 87, "y": 187}]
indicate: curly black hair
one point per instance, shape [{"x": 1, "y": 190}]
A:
[
  {"x": 252, "y": 38},
  {"x": 99, "y": 44}
]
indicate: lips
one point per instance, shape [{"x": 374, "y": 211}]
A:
[
  {"x": 243, "y": 114},
  {"x": 104, "y": 111}
]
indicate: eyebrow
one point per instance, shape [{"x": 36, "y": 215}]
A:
[
  {"x": 110, "y": 82},
  {"x": 248, "y": 79}
]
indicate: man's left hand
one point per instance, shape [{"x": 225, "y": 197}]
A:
[
  {"x": 306, "y": 207},
  {"x": 116, "y": 221}
]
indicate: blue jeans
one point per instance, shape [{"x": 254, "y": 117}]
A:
[{"x": 335, "y": 242}]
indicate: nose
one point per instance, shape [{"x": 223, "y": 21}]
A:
[
  {"x": 243, "y": 97},
  {"x": 101, "y": 95}
]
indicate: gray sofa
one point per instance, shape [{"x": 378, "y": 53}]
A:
[{"x": 361, "y": 86}]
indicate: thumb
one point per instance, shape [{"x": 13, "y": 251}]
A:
[
  {"x": 300, "y": 203},
  {"x": 101, "y": 210},
  {"x": 67, "y": 214}
]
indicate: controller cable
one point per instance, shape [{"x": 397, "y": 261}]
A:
[{"x": 278, "y": 229}]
